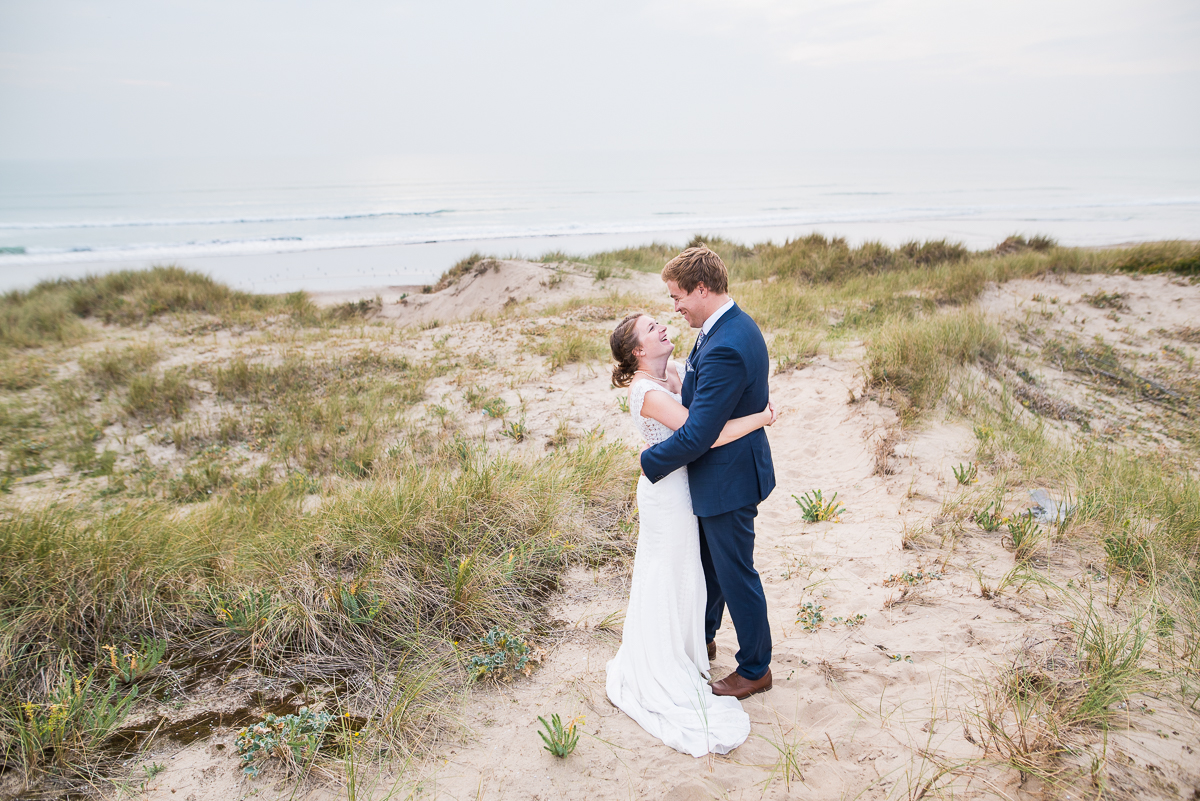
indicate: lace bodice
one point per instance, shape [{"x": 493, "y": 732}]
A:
[{"x": 651, "y": 430}]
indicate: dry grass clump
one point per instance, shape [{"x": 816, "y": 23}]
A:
[
  {"x": 1018, "y": 243},
  {"x": 112, "y": 367},
  {"x": 594, "y": 309},
  {"x": 22, "y": 371},
  {"x": 1043, "y": 707},
  {"x": 571, "y": 345},
  {"x": 647, "y": 258},
  {"x": 476, "y": 264},
  {"x": 355, "y": 310},
  {"x": 317, "y": 415},
  {"x": 1186, "y": 333},
  {"x": 154, "y": 397}
]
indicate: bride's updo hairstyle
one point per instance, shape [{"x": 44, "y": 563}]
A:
[{"x": 623, "y": 342}]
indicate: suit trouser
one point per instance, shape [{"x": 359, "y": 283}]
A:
[{"x": 727, "y": 555}]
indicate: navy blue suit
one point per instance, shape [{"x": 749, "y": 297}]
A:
[{"x": 726, "y": 378}]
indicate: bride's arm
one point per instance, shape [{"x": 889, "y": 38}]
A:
[
  {"x": 662, "y": 407},
  {"x": 741, "y": 426}
]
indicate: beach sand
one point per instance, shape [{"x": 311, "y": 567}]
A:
[{"x": 883, "y": 706}]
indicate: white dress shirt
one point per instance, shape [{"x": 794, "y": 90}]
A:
[{"x": 712, "y": 318}]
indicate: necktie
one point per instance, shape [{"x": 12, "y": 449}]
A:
[{"x": 699, "y": 341}]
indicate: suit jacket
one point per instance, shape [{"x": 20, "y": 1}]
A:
[{"x": 726, "y": 378}]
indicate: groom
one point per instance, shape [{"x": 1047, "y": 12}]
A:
[{"x": 726, "y": 377}]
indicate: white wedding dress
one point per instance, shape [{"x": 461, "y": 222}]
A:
[{"x": 658, "y": 675}]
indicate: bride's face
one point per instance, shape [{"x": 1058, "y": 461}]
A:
[{"x": 653, "y": 341}]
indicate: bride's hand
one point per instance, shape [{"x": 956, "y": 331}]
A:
[{"x": 770, "y": 410}]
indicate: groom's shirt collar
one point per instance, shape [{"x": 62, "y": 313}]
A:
[{"x": 712, "y": 319}]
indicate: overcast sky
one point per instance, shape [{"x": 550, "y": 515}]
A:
[{"x": 250, "y": 78}]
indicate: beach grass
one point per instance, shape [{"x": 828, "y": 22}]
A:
[
  {"x": 53, "y": 311},
  {"x": 391, "y": 573},
  {"x": 917, "y": 358}
]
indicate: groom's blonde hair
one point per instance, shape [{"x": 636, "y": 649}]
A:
[{"x": 696, "y": 266}]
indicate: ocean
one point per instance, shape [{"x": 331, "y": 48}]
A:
[{"x": 318, "y": 224}]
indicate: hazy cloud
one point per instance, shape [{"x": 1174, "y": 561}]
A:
[{"x": 259, "y": 77}]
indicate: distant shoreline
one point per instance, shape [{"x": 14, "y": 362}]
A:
[{"x": 367, "y": 269}]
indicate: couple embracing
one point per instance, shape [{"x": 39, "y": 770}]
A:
[{"x": 706, "y": 467}]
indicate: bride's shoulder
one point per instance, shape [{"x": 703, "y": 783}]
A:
[{"x": 679, "y": 368}]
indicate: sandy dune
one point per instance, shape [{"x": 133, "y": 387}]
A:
[
  {"x": 487, "y": 290},
  {"x": 884, "y": 708}
]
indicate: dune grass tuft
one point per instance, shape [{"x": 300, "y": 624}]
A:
[
  {"x": 917, "y": 357},
  {"x": 112, "y": 367},
  {"x": 52, "y": 311},
  {"x": 571, "y": 345}
]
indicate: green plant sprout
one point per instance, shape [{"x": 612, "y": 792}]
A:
[
  {"x": 77, "y": 718},
  {"x": 516, "y": 431},
  {"x": 245, "y": 613},
  {"x": 811, "y": 617},
  {"x": 359, "y": 605},
  {"x": 989, "y": 518},
  {"x": 815, "y": 509},
  {"x": 966, "y": 474},
  {"x": 496, "y": 407},
  {"x": 1023, "y": 536},
  {"x": 559, "y": 740}
]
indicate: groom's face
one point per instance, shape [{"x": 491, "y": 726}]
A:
[{"x": 691, "y": 305}]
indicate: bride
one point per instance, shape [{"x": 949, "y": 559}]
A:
[{"x": 658, "y": 676}]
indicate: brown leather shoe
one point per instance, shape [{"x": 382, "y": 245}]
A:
[
  {"x": 740, "y": 687},
  {"x": 712, "y": 650}
]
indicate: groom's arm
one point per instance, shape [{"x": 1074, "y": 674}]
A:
[{"x": 716, "y": 396}]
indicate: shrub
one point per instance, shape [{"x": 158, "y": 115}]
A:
[
  {"x": 505, "y": 655},
  {"x": 292, "y": 739}
]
